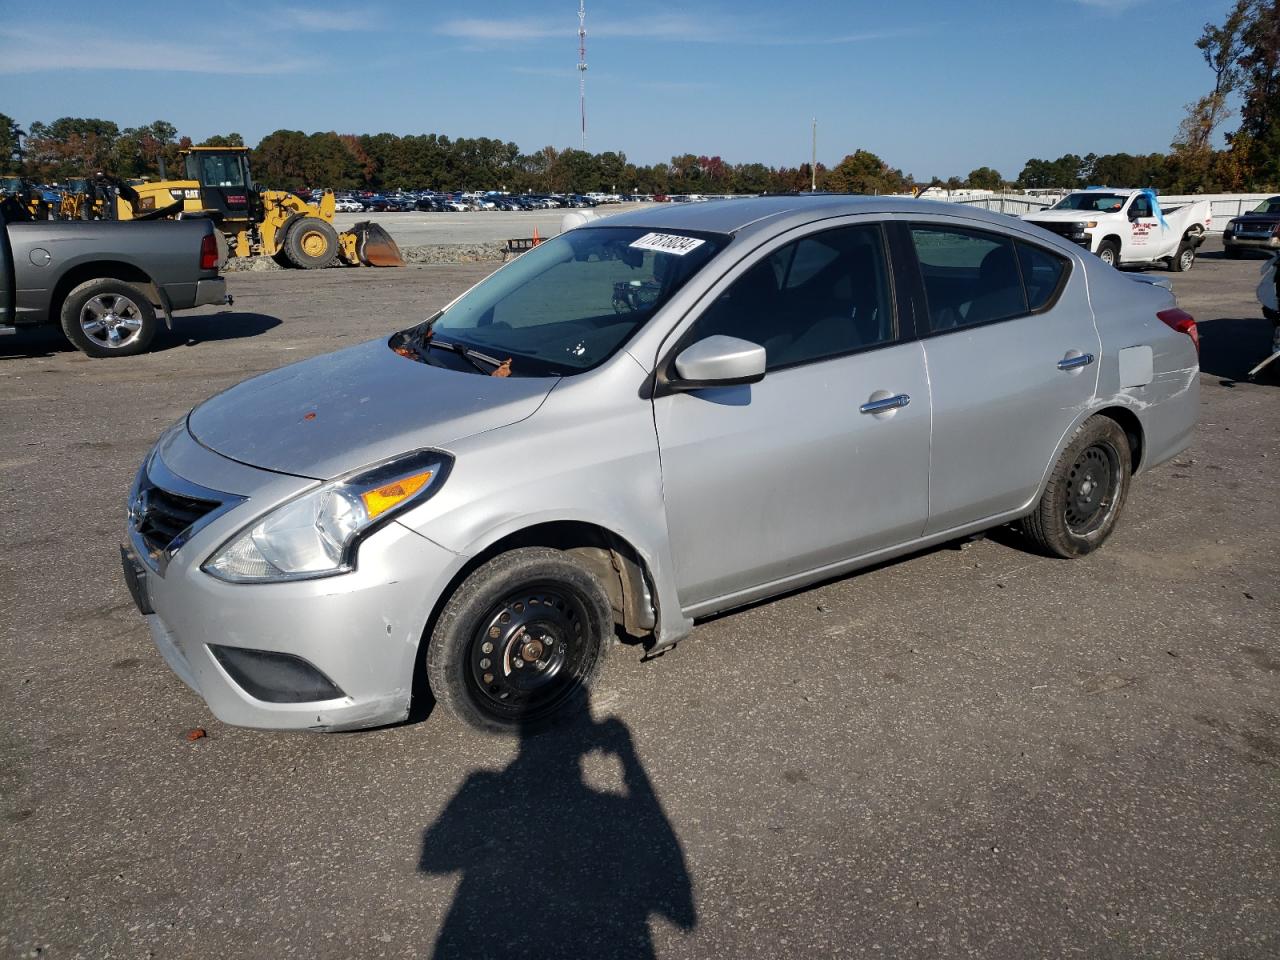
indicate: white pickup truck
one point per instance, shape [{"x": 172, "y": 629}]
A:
[{"x": 1129, "y": 226}]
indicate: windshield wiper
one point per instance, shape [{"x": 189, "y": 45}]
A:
[{"x": 474, "y": 356}]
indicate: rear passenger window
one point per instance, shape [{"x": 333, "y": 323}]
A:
[
  {"x": 1042, "y": 274},
  {"x": 970, "y": 276}
]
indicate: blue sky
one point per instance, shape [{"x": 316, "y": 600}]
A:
[{"x": 932, "y": 87}]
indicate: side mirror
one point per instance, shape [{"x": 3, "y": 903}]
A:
[
  {"x": 1134, "y": 213},
  {"x": 718, "y": 361}
]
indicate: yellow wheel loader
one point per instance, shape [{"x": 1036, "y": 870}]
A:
[{"x": 272, "y": 223}]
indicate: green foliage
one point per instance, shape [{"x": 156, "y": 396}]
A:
[
  {"x": 10, "y": 142},
  {"x": 863, "y": 172}
]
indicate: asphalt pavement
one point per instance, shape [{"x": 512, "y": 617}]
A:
[{"x": 972, "y": 752}]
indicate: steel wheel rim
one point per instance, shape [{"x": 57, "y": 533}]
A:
[
  {"x": 314, "y": 243},
  {"x": 530, "y": 651},
  {"x": 111, "y": 320},
  {"x": 1108, "y": 257},
  {"x": 1093, "y": 484},
  {"x": 1188, "y": 258}
]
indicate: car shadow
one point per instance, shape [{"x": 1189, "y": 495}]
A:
[
  {"x": 1232, "y": 346},
  {"x": 564, "y": 853},
  {"x": 188, "y": 331}
]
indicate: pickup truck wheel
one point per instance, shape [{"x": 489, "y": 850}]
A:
[
  {"x": 519, "y": 640},
  {"x": 108, "y": 318},
  {"x": 1081, "y": 503},
  {"x": 1109, "y": 253},
  {"x": 1184, "y": 259},
  {"x": 311, "y": 243}
]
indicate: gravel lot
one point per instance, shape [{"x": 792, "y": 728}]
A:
[
  {"x": 478, "y": 226},
  {"x": 972, "y": 752}
]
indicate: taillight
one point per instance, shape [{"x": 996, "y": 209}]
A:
[
  {"x": 1183, "y": 322},
  {"x": 209, "y": 253}
]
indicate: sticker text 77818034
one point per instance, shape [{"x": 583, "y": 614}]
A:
[{"x": 667, "y": 243}]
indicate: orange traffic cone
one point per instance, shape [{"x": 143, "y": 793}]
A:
[{"x": 536, "y": 239}]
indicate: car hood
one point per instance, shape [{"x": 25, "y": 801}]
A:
[
  {"x": 333, "y": 414},
  {"x": 1069, "y": 215},
  {"x": 1258, "y": 219}
]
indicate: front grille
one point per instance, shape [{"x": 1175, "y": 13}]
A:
[
  {"x": 164, "y": 517},
  {"x": 1061, "y": 227}
]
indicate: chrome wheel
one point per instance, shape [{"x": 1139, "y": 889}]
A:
[
  {"x": 111, "y": 320},
  {"x": 1093, "y": 483}
]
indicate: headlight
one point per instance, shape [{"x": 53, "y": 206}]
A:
[
  {"x": 316, "y": 534},
  {"x": 1090, "y": 225}
]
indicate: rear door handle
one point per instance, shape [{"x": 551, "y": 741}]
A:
[
  {"x": 1071, "y": 363},
  {"x": 888, "y": 403}
]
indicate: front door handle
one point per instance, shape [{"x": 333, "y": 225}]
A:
[
  {"x": 887, "y": 403},
  {"x": 1071, "y": 363}
]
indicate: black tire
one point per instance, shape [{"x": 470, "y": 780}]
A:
[
  {"x": 1184, "y": 259},
  {"x": 310, "y": 243},
  {"x": 1086, "y": 492},
  {"x": 1233, "y": 253},
  {"x": 108, "y": 318},
  {"x": 531, "y": 606},
  {"x": 1109, "y": 252},
  {"x": 1272, "y": 315}
]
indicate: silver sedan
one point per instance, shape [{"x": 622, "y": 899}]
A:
[{"x": 652, "y": 418}]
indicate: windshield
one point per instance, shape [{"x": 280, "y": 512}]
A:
[
  {"x": 1098, "y": 202},
  {"x": 1268, "y": 206},
  {"x": 570, "y": 303}
]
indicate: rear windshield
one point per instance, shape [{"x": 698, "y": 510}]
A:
[
  {"x": 570, "y": 303},
  {"x": 1098, "y": 202}
]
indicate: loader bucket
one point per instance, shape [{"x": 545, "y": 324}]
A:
[{"x": 374, "y": 246}]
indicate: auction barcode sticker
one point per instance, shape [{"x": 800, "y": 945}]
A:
[{"x": 668, "y": 243}]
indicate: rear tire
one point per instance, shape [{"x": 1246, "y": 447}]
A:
[
  {"x": 108, "y": 318},
  {"x": 1109, "y": 253},
  {"x": 310, "y": 243},
  {"x": 1184, "y": 259},
  {"x": 1086, "y": 491},
  {"x": 519, "y": 641}
]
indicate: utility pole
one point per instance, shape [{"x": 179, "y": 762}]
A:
[
  {"x": 813, "y": 164},
  {"x": 582, "y": 68}
]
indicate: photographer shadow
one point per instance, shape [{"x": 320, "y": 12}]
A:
[{"x": 555, "y": 866}]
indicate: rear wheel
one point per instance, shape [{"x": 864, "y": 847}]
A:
[
  {"x": 1109, "y": 253},
  {"x": 519, "y": 640},
  {"x": 1081, "y": 504},
  {"x": 108, "y": 318},
  {"x": 1184, "y": 259},
  {"x": 310, "y": 243}
]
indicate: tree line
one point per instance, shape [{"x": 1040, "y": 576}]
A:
[{"x": 1242, "y": 53}]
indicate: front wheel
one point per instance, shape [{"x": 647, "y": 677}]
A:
[
  {"x": 311, "y": 243},
  {"x": 1109, "y": 253},
  {"x": 519, "y": 640},
  {"x": 1081, "y": 503}
]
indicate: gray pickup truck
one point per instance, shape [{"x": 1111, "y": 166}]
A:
[{"x": 103, "y": 281}]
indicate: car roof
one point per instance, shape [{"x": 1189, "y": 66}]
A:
[{"x": 733, "y": 216}]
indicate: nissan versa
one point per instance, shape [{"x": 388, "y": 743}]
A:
[{"x": 649, "y": 419}]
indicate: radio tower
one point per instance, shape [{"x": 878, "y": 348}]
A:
[{"x": 582, "y": 68}]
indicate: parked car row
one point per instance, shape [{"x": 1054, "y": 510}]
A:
[{"x": 432, "y": 201}]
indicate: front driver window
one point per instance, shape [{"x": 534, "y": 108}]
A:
[{"x": 822, "y": 296}]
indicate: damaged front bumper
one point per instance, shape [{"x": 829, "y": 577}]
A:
[{"x": 335, "y": 653}]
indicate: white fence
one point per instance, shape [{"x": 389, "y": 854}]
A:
[{"x": 1224, "y": 205}]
